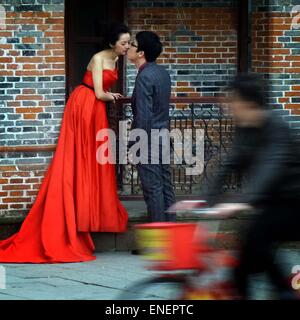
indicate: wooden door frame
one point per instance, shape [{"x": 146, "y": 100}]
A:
[
  {"x": 118, "y": 9},
  {"x": 244, "y": 35}
]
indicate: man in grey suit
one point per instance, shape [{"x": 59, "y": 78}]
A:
[{"x": 150, "y": 107}]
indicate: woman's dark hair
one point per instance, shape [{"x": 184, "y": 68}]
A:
[
  {"x": 149, "y": 42},
  {"x": 113, "y": 32},
  {"x": 250, "y": 87}
]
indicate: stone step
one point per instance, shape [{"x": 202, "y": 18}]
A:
[
  {"x": 228, "y": 228},
  {"x": 137, "y": 214}
]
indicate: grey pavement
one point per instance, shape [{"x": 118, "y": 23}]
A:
[{"x": 105, "y": 278}]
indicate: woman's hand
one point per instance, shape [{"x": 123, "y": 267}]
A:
[{"x": 115, "y": 96}]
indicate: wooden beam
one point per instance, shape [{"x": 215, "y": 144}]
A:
[
  {"x": 244, "y": 37},
  {"x": 33, "y": 148}
]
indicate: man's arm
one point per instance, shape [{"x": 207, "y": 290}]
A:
[
  {"x": 233, "y": 162},
  {"x": 268, "y": 170},
  {"x": 144, "y": 103}
]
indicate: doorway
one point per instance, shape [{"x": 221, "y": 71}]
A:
[{"x": 85, "y": 22}]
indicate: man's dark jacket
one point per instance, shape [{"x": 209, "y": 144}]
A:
[{"x": 268, "y": 157}]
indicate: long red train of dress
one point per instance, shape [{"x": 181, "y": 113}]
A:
[{"x": 78, "y": 195}]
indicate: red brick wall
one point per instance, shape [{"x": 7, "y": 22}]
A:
[
  {"x": 32, "y": 96},
  {"x": 200, "y": 52},
  {"x": 200, "y": 45},
  {"x": 48, "y": 59},
  {"x": 19, "y": 186},
  {"x": 276, "y": 52}
]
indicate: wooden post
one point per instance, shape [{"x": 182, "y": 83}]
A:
[{"x": 244, "y": 36}]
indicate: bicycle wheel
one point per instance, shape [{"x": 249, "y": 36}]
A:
[{"x": 163, "y": 288}]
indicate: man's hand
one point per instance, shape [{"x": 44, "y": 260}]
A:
[
  {"x": 229, "y": 209},
  {"x": 223, "y": 210},
  {"x": 187, "y": 205}
]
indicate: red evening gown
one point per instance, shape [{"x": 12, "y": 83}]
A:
[{"x": 78, "y": 195}]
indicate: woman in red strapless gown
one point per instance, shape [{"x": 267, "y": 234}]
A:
[{"x": 78, "y": 195}]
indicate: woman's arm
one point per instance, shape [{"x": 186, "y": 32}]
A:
[{"x": 97, "y": 73}]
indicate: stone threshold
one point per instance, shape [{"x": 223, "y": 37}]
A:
[{"x": 137, "y": 215}]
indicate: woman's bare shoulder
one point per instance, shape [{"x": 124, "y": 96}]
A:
[{"x": 96, "y": 59}]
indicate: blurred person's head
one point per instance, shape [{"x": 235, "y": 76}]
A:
[
  {"x": 248, "y": 99},
  {"x": 145, "y": 48}
]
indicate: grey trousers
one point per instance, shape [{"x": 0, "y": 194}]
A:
[{"x": 158, "y": 190}]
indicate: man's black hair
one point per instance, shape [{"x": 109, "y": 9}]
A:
[
  {"x": 250, "y": 87},
  {"x": 149, "y": 42}
]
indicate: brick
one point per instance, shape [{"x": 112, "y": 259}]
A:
[
  {"x": 43, "y": 52},
  {"x": 293, "y": 106},
  {"x": 29, "y": 97},
  {"x": 29, "y": 116},
  {"x": 14, "y": 129},
  {"x": 58, "y": 52},
  {"x": 3, "y": 194},
  {"x": 54, "y": 46},
  {"x": 28, "y": 53},
  {"x": 280, "y": 64},
  {"x": 59, "y": 40},
  {"x": 16, "y": 180},
  {"x": 58, "y": 66},
  {"x": 271, "y": 51},
  {"x": 31, "y": 180},
  {"x": 12, "y": 40},
  {"x": 6, "y": 34},
  {"x": 29, "y": 60},
  {"x": 181, "y": 83},
  {"x": 56, "y": 27},
  {"x": 29, "y": 66},
  {"x": 17, "y": 199},
  {"x": 28, "y": 40},
  {"x": 296, "y": 111},
  {"x": 54, "y": 34},
  {"x": 54, "y": 72},
  {"x": 293, "y": 94},
  {"x": 54, "y": 21},
  {"x": 31, "y": 110},
  {"x": 16, "y": 206},
  {"x": 58, "y": 78},
  {"x": 16, "y": 193},
  {"x": 283, "y": 100},
  {"x": 29, "y": 73},
  {"x": 32, "y": 193},
  {"x": 5, "y": 60},
  {"x": 292, "y": 58},
  {"x": 292, "y": 70},
  {"x": 12, "y": 66},
  {"x": 7, "y": 169},
  {"x": 44, "y": 116}
]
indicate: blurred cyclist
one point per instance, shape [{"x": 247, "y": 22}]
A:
[{"x": 267, "y": 155}]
